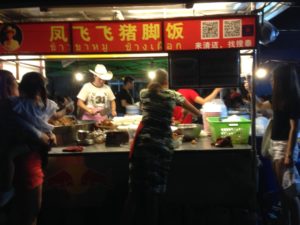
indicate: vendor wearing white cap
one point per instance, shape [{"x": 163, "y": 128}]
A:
[{"x": 95, "y": 98}]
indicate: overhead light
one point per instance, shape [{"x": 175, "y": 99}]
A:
[
  {"x": 78, "y": 76},
  {"x": 237, "y": 6},
  {"x": 156, "y": 9},
  {"x": 211, "y": 6},
  {"x": 163, "y": 14},
  {"x": 151, "y": 75},
  {"x": 146, "y": 11},
  {"x": 261, "y": 73}
]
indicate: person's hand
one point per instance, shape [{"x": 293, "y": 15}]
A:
[
  {"x": 218, "y": 89},
  {"x": 69, "y": 104},
  {"x": 288, "y": 161},
  {"x": 113, "y": 113},
  {"x": 92, "y": 112},
  {"x": 185, "y": 113},
  {"x": 52, "y": 140},
  {"x": 45, "y": 138}
]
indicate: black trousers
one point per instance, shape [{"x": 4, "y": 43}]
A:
[{"x": 142, "y": 208}]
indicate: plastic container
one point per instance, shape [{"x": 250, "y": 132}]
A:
[
  {"x": 214, "y": 108},
  {"x": 238, "y": 130},
  {"x": 206, "y": 115},
  {"x": 190, "y": 131},
  {"x": 132, "y": 110}
]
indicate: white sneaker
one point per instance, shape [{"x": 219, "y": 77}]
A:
[{"x": 6, "y": 196}]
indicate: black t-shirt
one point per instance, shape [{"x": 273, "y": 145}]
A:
[
  {"x": 281, "y": 125},
  {"x": 123, "y": 95}
]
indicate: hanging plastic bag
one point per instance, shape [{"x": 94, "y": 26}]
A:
[
  {"x": 265, "y": 144},
  {"x": 291, "y": 182}
]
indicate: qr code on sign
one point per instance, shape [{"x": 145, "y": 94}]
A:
[
  {"x": 232, "y": 28},
  {"x": 210, "y": 29}
]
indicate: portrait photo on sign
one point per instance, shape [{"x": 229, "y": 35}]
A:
[{"x": 10, "y": 37}]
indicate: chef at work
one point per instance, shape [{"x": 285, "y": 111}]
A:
[{"x": 96, "y": 99}]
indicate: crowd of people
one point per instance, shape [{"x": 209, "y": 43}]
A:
[
  {"x": 26, "y": 137},
  {"x": 25, "y": 110}
]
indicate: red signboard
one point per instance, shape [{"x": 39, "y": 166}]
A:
[
  {"x": 35, "y": 38},
  {"x": 125, "y": 36},
  {"x": 128, "y": 36},
  {"x": 210, "y": 33}
]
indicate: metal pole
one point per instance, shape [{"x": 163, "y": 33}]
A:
[{"x": 253, "y": 101}]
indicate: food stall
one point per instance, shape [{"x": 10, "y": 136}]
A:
[{"x": 208, "y": 184}]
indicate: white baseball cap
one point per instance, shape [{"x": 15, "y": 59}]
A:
[{"x": 102, "y": 73}]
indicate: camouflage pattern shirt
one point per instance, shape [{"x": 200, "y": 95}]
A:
[{"x": 153, "y": 146}]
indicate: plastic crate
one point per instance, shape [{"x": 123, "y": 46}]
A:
[{"x": 238, "y": 131}]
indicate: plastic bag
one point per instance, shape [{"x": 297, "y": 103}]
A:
[
  {"x": 291, "y": 182},
  {"x": 261, "y": 124},
  {"x": 265, "y": 144}
]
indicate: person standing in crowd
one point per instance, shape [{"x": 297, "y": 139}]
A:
[
  {"x": 182, "y": 116},
  {"x": 262, "y": 106},
  {"x": 96, "y": 98},
  {"x": 284, "y": 148},
  {"x": 64, "y": 102},
  {"x": 124, "y": 97},
  {"x": 29, "y": 174},
  {"x": 151, "y": 151},
  {"x": 233, "y": 98}
]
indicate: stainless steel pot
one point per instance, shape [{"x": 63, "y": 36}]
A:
[
  {"x": 67, "y": 135},
  {"x": 189, "y": 131}
]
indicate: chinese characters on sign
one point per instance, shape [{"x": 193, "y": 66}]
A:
[
  {"x": 197, "y": 34},
  {"x": 128, "y": 36},
  {"x": 103, "y": 37}
]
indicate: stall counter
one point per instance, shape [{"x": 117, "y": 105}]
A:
[
  {"x": 202, "y": 144},
  {"x": 208, "y": 184}
]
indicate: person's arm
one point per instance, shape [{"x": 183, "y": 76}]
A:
[
  {"x": 261, "y": 105},
  {"x": 188, "y": 106},
  {"x": 208, "y": 98},
  {"x": 22, "y": 130},
  {"x": 82, "y": 97},
  {"x": 112, "y": 100},
  {"x": 59, "y": 113},
  {"x": 52, "y": 110},
  {"x": 292, "y": 140},
  {"x": 65, "y": 107},
  {"x": 113, "y": 108},
  {"x": 17, "y": 126},
  {"x": 32, "y": 132},
  {"x": 83, "y": 106},
  {"x": 124, "y": 103}
]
